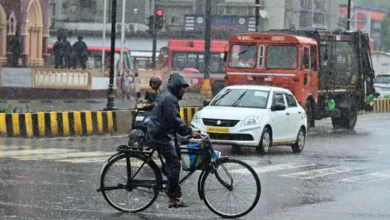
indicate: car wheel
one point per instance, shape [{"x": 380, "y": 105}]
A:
[
  {"x": 299, "y": 144},
  {"x": 265, "y": 141}
]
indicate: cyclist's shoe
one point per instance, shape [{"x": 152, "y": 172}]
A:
[{"x": 177, "y": 204}]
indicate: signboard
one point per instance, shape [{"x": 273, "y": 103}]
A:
[
  {"x": 359, "y": 21},
  {"x": 231, "y": 24}
]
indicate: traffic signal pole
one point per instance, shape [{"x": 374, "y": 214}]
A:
[
  {"x": 154, "y": 35},
  {"x": 206, "y": 87}
]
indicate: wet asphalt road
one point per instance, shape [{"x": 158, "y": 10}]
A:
[{"x": 339, "y": 175}]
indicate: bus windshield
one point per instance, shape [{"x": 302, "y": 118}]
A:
[
  {"x": 243, "y": 56},
  {"x": 281, "y": 57},
  {"x": 182, "y": 60}
]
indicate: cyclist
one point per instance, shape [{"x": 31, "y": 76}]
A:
[
  {"x": 163, "y": 127},
  {"x": 154, "y": 83}
]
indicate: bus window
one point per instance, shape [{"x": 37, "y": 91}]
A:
[
  {"x": 313, "y": 58},
  {"x": 182, "y": 60},
  {"x": 281, "y": 57},
  {"x": 243, "y": 56},
  {"x": 261, "y": 57},
  {"x": 306, "y": 58}
]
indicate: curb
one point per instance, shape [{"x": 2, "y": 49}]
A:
[{"x": 58, "y": 124}]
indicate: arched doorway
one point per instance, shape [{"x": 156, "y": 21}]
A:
[
  {"x": 34, "y": 29},
  {"x": 3, "y": 35}
]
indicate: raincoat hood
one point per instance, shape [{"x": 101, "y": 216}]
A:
[{"x": 177, "y": 81}]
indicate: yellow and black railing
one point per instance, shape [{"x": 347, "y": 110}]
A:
[{"x": 54, "y": 124}]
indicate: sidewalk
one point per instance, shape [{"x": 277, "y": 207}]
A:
[{"x": 17, "y": 106}]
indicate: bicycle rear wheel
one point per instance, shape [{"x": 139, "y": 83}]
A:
[
  {"x": 232, "y": 190},
  {"x": 135, "y": 195}
]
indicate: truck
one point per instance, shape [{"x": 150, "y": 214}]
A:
[{"x": 329, "y": 72}]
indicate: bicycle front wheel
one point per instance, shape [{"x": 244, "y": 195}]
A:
[
  {"x": 135, "y": 195},
  {"x": 232, "y": 189}
]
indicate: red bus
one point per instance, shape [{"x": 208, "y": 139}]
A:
[
  {"x": 94, "y": 61},
  {"x": 183, "y": 54}
]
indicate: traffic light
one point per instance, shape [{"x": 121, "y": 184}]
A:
[
  {"x": 159, "y": 21},
  {"x": 151, "y": 24}
]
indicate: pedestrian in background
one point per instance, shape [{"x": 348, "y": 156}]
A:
[
  {"x": 118, "y": 83},
  {"x": 81, "y": 50},
  {"x": 58, "y": 50},
  {"x": 67, "y": 52},
  {"x": 136, "y": 84},
  {"x": 16, "y": 45}
]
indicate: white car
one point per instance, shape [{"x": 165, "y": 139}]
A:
[
  {"x": 382, "y": 85},
  {"x": 254, "y": 116}
]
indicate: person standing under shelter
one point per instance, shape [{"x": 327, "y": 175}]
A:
[
  {"x": 67, "y": 52},
  {"x": 81, "y": 50},
  {"x": 58, "y": 50},
  {"x": 16, "y": 45}
]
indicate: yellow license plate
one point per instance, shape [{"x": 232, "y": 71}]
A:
[{"x": 219, "y": 130}]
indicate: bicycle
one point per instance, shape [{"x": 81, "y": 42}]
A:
[{"x": 136, "y": 173}]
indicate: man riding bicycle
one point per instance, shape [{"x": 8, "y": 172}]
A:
[{"x": 163, "y": 126}]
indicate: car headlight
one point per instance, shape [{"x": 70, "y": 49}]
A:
[
  {"x": 196, "y": 118},
  {"x": 251, "y": 120}
]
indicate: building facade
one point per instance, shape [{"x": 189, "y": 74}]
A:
[
  {"x": 30, "y": 18},
  {"x": 185, "y": 18}
]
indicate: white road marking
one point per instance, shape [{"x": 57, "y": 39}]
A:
[
  {"x": 28, "y": 153},
  {"x": 320, "y": 172},
  {"x": 372, "y": 177},
  {"x": 274, "y": 168},
  {"x": 67, "y": 155}
]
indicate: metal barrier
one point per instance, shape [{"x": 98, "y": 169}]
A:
[
  {"x": 61, "y": 78},
  {"x": 382, "y": 105}
]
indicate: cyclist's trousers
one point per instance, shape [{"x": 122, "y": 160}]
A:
[{"x": 172, "y": 166}]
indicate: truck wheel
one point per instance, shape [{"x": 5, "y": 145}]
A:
[
  {"x": 309, "y": 114},
  {"x": 217, "y": 87},
  {"x": 347, "y": 120}
]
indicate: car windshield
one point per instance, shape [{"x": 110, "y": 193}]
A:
[
  {"x": 242, "y": 98},
  {"x": 384, "y": 79}
]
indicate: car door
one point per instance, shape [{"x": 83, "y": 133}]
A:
[
  {"x": 278, "y": 118},
  {"x": 294, "y": 116}
]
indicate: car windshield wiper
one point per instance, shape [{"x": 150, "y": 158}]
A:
[
  {"x": 219, "y": 98},
  {"x": 239, "y": 99}
]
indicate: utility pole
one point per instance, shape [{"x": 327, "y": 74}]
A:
[
  {"x": 206, "y": 87},
  {"x": 104, "y": 36},
  {"x": 257, "y": 14},
  {"x": 349, "y": 15},
  {"x": 111, "y": 96}
]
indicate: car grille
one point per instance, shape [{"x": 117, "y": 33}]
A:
[
  {"x": 224, "y": 123},
  {"x": 231, "y": 137}
]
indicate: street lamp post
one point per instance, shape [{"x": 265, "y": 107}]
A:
[
  {"x": 206, "y": 87},
  {"x": 111, "y": 96},
  {"x": 349, "y": 15},
  {"x": 257, "y": 14}
]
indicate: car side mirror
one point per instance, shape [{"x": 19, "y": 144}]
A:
[
  {"x": 206, "y": 102},
  {"x": 278, "y": 107}
]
